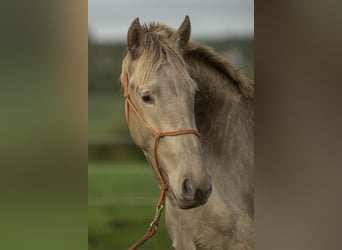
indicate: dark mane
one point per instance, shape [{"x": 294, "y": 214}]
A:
[{"x": 208, "y": 56}]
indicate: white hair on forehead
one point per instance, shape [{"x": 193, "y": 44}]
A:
[{"x": 153, "y": 58}]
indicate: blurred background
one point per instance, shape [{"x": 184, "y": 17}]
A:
[
  {"x": 122, "y": 191},
  {"x": 43, "y": 126}
]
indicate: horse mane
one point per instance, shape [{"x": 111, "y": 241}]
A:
[
  {"x": 159, "y": 43},
  {"x": 210, "y": 57}
]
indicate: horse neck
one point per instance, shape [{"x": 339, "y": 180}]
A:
[{"x": 225, "y": 119}]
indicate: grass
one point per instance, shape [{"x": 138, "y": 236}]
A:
[{"x": 121, "y": 205}]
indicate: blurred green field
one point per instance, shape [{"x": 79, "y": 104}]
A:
[
  {"x": 106, "y": 114},
  {"x": 106, "y": 119},
  {"x": 121, "y": 205}
]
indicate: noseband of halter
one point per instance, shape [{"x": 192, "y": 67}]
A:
[{"x": 155, "y": 165}]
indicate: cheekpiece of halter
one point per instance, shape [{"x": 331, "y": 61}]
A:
[{"x": 125, "y": 78}]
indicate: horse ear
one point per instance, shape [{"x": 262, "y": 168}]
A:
[
  {"x": 183, "y": 33},
  {"x": 135, "y": 38}
]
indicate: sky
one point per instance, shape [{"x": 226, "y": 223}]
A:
[{"x": 109, "y": 20}]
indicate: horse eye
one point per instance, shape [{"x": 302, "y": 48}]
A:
[{"x": 146, "y": 98}]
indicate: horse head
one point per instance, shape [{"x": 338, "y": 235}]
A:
[{"x": 163, "y": 93}]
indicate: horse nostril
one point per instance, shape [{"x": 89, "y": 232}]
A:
[
  {"x": 194, "y": 194},
  {"x": 186, "y": 187}
]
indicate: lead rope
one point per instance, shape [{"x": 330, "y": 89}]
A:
[{"x": 155, "y": 165}]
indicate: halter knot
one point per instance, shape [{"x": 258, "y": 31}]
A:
[{"x": 160, "y": 134}]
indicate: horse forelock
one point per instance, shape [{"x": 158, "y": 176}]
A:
[{"x": 159, "y": 47}]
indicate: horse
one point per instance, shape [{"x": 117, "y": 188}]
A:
[{"x": 207, "y": 163}]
